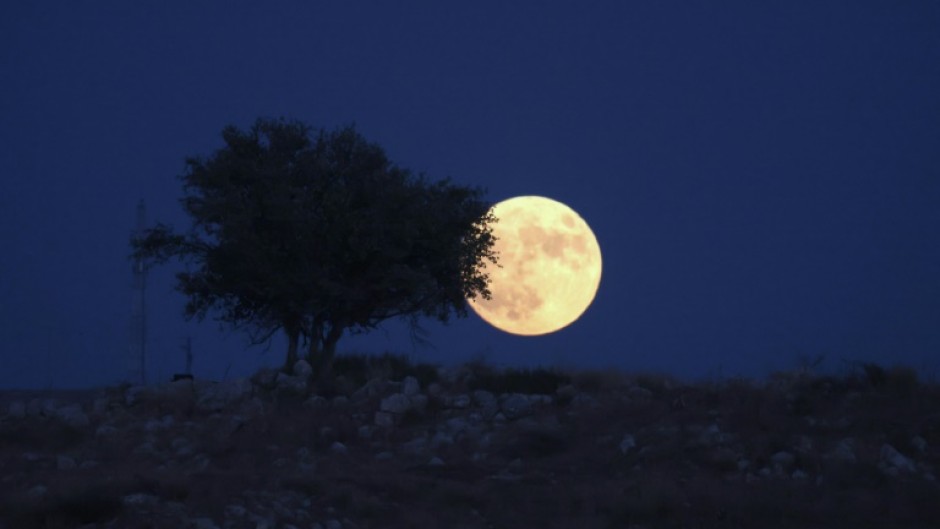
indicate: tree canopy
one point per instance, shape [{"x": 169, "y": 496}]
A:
[{"x": 319, "y": 234}]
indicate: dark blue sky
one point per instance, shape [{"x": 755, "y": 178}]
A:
[{"x": 763, "y": 177}]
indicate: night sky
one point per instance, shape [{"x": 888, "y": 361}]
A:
[{"x": 763, "y": 177}]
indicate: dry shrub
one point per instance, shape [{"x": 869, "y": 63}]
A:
[{"x": 598, "y": 381}]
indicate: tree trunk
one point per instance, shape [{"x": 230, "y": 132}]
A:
[
  {"x": 329, "y": 350},
  {"x": 292, "y": 336},
  {"x": 322, "y": 357}
]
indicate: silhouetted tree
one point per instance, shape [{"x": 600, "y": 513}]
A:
[{"x": 319, "y": 236}]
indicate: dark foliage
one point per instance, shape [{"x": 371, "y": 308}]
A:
[{"x": 319, "y": 235}]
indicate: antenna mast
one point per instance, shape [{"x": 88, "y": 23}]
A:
[{"x": 138, "y": 338}]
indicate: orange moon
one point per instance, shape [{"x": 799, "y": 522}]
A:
[{"x": 549, "y": 267}]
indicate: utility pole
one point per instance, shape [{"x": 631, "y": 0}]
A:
[{"x": 138, "y": 336}]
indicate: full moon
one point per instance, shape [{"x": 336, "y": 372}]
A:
[{"x": 549, "y": 267}]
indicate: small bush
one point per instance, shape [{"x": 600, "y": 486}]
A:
[
  {"x": 656, "y": 382},
  {"x": 902, "y": 379},
  {"x": 392, "y": 366},
  {"x": 426, "y": 374},
  {"x": 536, "y": 442},
  {"x": 875, "y": 374},
  {"x": 354, "y": 367},
  {"x": 539, "y": 381},
  {"x": 360, "y": 368},
  {"x": 597, "y": 381}
]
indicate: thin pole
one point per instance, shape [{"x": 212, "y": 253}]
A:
[{"x": 138, "y": 341}]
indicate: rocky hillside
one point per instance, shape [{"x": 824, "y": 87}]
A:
[{"x": 394, "y": 445}]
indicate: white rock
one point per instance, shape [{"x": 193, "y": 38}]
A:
[
  {"x": 383, "y": 456},
  {"x": 456, "y": 425},
  {"x": 316, "y": 401},
  {"x": 441, "y": 439},
  {"x": 17, "y": 409},
  {"x": 783, "y": 461},
  {"x": 217, "y": 397},
  {"x": 64, "y": 463},
  {"x": 145, "y": 448},
  {"x": 627, "y": 443},
  {"x": 327, "y": 432},
  {"x": 891, "y": 458},
  {"x": 253, "y": 407},
  {"x": 303, "y": 369},
  {"x": 415, "y": 446},
  {"x": 515, "y": 406},
  {"x": 711, "y": 435},
  {"x": 155, "y": 425},
  {"x": 333, "y": 523},
  {"x": 843, "y": 451},
  {"x": 583, "y": 399},
  {"x": 384, "y": 419},
  {"x": 538, "y": 399},
  {"x": 365, "y": 431},
  {"x": 73, "y": 415},
  {"x": 436, "y": 462},
  {"x": 102, "y": 405},
  {"x": 265, "y": 378},
  {"x": 235, "y": 511},
  {"x": 568, "y": 391},
  {"x": 39, "y": 407},
  {"x": 202, "y": 523},
  {"x": 105, "y": 430},
  {"x": 290, "y": 385},
  {"x": 487, "y": 402},
  {"x": 181, "y": 446},
  {"x": 199, "y": 463},
  {"x": 798, "y": 474},
  {"x": 410, "y": 386},
  {"x": 919, "y": 444},
  {"x": 373, "y": 387},
  {"x": 340, "y": 400},
  {"x": 804, "y": 445},
  {"x": 419, "y": 402},
  {"x": 338, "y": 448},
  {"x": 459, "y": 402},
  {"x": 140, "y": 498},
  {"x": 396, "y": 403},
  {"x": 37, "y": 491}
]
